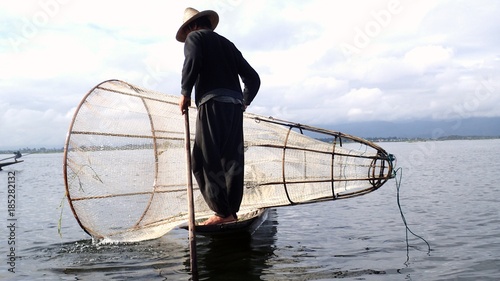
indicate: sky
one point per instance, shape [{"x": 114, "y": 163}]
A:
[{"x": 321, "y": 63}]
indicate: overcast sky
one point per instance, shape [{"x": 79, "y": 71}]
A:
[{"x": 320, "y": 62}]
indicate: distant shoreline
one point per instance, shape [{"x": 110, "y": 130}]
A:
[
  {"x": 396, "y": 139},
  {"x": 372, "y": 139},
  {"x": 32, "y": 150}
]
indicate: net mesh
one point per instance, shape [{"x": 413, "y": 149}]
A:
[{"x": 125, "y": 164}]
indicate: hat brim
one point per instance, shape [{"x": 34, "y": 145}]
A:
[{"x": 213, "y": 17}]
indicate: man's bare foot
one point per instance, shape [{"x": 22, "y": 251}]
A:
[{"x": 218, "y": 220}]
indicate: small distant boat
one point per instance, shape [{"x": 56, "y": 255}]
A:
[{"x": 16, "y": 156}]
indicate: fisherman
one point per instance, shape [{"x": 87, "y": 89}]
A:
[
  {"x": 214, "y": 65},
  {"x": 17, "y": 155}
]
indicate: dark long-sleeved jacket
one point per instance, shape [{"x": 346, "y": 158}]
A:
[{"x": 214, "y": 65}]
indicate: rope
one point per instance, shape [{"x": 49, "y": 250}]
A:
[{"x": 398, "y": 186}]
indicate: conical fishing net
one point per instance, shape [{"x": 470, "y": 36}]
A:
[{"x": 125, "y": 164}]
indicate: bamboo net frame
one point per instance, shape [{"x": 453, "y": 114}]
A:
[{"x": 124, "y": 157}]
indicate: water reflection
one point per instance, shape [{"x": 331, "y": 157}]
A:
[{"x": 237, "y": 257}]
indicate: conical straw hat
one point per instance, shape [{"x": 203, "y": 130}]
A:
[{"x": 191, "y": 14}]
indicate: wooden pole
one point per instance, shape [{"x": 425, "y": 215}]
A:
[{"x": 192, "y": 236}]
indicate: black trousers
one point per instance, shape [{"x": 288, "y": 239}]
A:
[{"x": 218, "y": 156}]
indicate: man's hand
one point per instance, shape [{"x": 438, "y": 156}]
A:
[{"x": 184, "y": 103}]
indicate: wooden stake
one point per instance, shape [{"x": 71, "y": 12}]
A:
[{"x": 192, "y": 236}]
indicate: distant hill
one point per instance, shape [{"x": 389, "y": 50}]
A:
[{"x": 422, "y": 128}]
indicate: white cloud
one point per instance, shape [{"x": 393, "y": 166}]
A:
[
  {"x": 424, "y": 57},
  {"x": 412, "y": 59},
  {"x": 31, "y": 128}
]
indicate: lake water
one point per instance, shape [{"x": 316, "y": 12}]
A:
[{"x": 449, "y": 195}]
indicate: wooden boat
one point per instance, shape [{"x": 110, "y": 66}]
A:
[
  {"x": 247, "y": 223},
  {"x": 17, "y": 155},
  {"x": 9, "y": 163}
]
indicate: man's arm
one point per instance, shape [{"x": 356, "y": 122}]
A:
[
  {"x": 191, "y": 67},
  {"x": 251, "y": 80},
  {"x": 184, "y": 103}
]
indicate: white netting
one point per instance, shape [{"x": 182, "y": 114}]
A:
[{"x": 125, "y": 164}]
